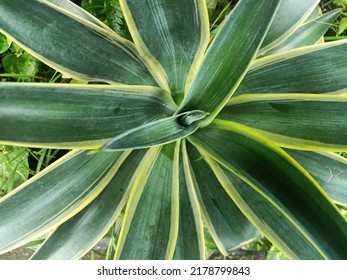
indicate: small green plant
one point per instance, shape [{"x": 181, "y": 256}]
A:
[
  {"x": 14, "y": 168},
  {"x": 338, "y": 30},
  {"x": 177, "y": 135}
]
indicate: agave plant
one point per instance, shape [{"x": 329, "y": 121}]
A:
[{"x": 177, "y": 134}]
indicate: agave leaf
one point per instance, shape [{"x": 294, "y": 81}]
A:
[
  {"x": 54, "y": 195},
  {"x": 74, "y": 238},
  {"x": 280, "y": 179},
  {"x": 170, "y": 34},
  {"x": 228, "y": 226},
  {"x": 328, "y": 169},
  {"x": 190, "y": 241},
  {"x": 307, "y": 34},
  {"x": 235, "y": 44},
  {"x": 153, "y": 226},
  {"x": 299, "y": 121},
  {"x": 266, "y": 215},
  {"x": 69, "y": 116},
  {"x": 78, "y": 11},
  {"x": 290, "y": 15},
  {"x": 317, "y": 12},
  {"x": 313, "y": 69},
  {"x": 162, "y": 131},
  {"x": 72, "y": 45},
  {"x": 151, "y": 216}
]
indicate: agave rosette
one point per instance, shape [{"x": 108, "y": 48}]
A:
[{"x": 232, "y": 135}]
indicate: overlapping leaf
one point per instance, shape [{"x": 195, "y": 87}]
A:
[
  {"x": 270, "y": 219},
  {"x": 54, "y": 195},
  {"x": 229, "y": 227},
  {"x": 190, "y": 241},
  {"x": 328, "y": 169},
  {"x": 74, "y": 238},
  {"x": 94, "y": 54},
  {"x": 163, "y": 131},
  {"x": 301, "y": 121},
  {"x": 307, "y": 34},
  {"x": 290, "y": 15},
  {"x": 76, "y": 116},
  {"x": 313, "y": 69},
  {"x": 217, "y": 80},
  {"x": 151, "y": 217},
  {"x": 172, "y": 35},
  {"x": 283, "y": 182}
]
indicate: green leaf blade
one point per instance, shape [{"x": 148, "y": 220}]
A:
[
  {"x": 158, "y": 132},
  {"x": 54, "y": 195},
  {"x": 272, "y": 172},
  {"x": 74, "y": 238},
  {"x": 227, "y": 59},
  {"x": 266, "y": 216},
  {"x": 328, "y": 169},
  {"x": 227, "y": 225},
  {"x": 94, "y": 55},
  {"x": 299, "y": 121},
  {"x": 150, "y": 218},
  {"x": 176, "y": 45},
  {"x": 307, "y": 34},
  {"x": 302, "y": 71},
  {"x": 290, "y": 15},
  {"x": 70, "y": 116},
  {"x": 191, "y": 240}
]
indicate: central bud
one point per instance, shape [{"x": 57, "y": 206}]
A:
[{"x": 191, "y": 117}]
